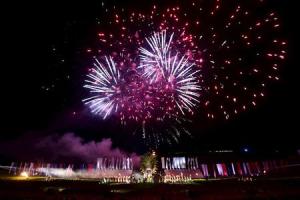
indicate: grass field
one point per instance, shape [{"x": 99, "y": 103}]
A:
[{"x": 33, "y": 188}]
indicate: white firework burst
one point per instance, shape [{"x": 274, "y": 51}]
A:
[
  {"x": 152, "y": 60},
  {"x": 158, "y": 64},
  {"x": 103, "y": 83}
]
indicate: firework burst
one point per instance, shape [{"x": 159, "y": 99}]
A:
[
  {"x": 104, "y": 85},
  {"x": 175, "y": 73}
]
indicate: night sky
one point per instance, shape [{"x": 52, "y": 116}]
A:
[{"x": 44, "y": 64}]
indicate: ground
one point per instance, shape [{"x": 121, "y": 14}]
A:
[{"x": 231, "y": 189}]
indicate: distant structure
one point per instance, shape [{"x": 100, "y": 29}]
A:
[
  {"x": 106, "y": 169},
  {"x": 114, "y": 163},
  {"x": 184, "y": 169},
  {"x": 154, "y": 168}
]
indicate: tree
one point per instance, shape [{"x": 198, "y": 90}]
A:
[{"x": 149, "y": 166}]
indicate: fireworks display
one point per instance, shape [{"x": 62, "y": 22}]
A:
[
  {"x": 171, "y": 62},
  {"x": 162, "y": 88}
]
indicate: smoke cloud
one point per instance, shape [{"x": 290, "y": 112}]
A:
[{"x": 62, "y": 148}]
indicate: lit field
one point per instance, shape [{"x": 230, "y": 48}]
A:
[
  {"x": 22, "y": 178},
  {"x": 39, "y": 188}
]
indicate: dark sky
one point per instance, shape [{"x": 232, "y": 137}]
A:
[{"x": 41, "y": 81}]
